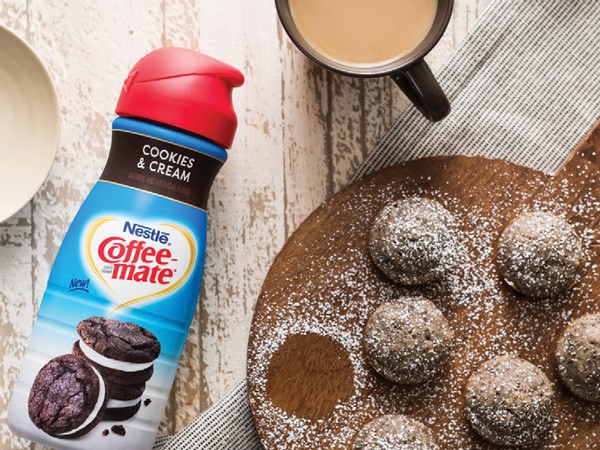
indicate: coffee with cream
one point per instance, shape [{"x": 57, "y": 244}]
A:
[{"x": 363, "y": 32}]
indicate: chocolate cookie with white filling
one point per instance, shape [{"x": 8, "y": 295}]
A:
[
  {"x": 539, "y": 255},
  {"x": 408, "y": 340},
  {"x": 124, "y": 352},
  {"x": 413, "y": 241},
  {"x": 67, "y": 398},
  {"x": 509, "y": 402},
  {"x": 578, "y": 357}
]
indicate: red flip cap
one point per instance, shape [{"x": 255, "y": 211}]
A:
[{"x": 185, "y": 89}]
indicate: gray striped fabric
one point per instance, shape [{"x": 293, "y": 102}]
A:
[
  {"x": 524, "y": 86},
  {"x": 226, "y": 426}
]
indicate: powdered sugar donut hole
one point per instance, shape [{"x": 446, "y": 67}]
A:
[
  {"x": 413, "y": 241},
  {"x": 540, "y": 254}
]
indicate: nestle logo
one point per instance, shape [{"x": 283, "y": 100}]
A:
[
  {"x": 79, "y": 285},
  {"x": 145, "y": 232}
]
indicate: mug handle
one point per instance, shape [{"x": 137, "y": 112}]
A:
[{"x": 422, "y": 89}]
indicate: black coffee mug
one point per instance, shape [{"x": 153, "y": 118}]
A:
[{"x": 410, "y": 71}]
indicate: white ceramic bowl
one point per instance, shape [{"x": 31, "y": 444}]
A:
[{"x": 29, "y": 123}]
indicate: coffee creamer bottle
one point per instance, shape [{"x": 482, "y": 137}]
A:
[{"x": 121, "y": 296}]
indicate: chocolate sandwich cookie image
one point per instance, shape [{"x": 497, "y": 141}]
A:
[
  {"x": 124, "y": 352},
  {"x": 120, "y": 375},
  {"x": 67, "y": 398}
]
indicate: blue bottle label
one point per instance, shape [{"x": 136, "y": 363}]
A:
[{"x": 114, "y": 318}]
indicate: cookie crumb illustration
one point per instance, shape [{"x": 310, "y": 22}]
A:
[
  {"x": 105, "y": 432},
  {"x": 118, "y": 429},
  {"x": 147, "y": 402}
]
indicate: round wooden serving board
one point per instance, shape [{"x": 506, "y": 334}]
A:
[{"x": 310, "y": 386}]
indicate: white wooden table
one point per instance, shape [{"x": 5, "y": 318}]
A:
[{"x": 302, "y": 134}]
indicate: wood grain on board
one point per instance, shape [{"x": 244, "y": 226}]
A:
[
  {"x": 309, "y": 382},
  {"x": 302, "y": 134}
]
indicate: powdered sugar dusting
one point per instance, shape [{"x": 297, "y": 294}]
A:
[{"x": 324, "y": 283}]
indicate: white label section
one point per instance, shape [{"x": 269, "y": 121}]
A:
[
  {"x": 139, "y": 260},
  {"x": 115, "y": 364}
]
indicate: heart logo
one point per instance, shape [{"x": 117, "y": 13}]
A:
[{"x": 138, "y": 261}]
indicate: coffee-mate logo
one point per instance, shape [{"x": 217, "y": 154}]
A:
[{"x": 139, "y": 261}]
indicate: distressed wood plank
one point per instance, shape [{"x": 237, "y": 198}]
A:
[
  {"x": 180, "y": 23},
  {"x": 180, "y": 28},
  {"x": 306, "y": 114},
  {"x": 380, "y": 95},
  {"x": 16, "y": 311},
  {"x": 346, "y": 128},
  {"x": 361, "y": 115},
  {"x": 246, "y": 206},
  {"x": 16, "y": 306}
]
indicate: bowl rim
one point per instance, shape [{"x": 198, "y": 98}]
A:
[{"x": 53, "y": 109}]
